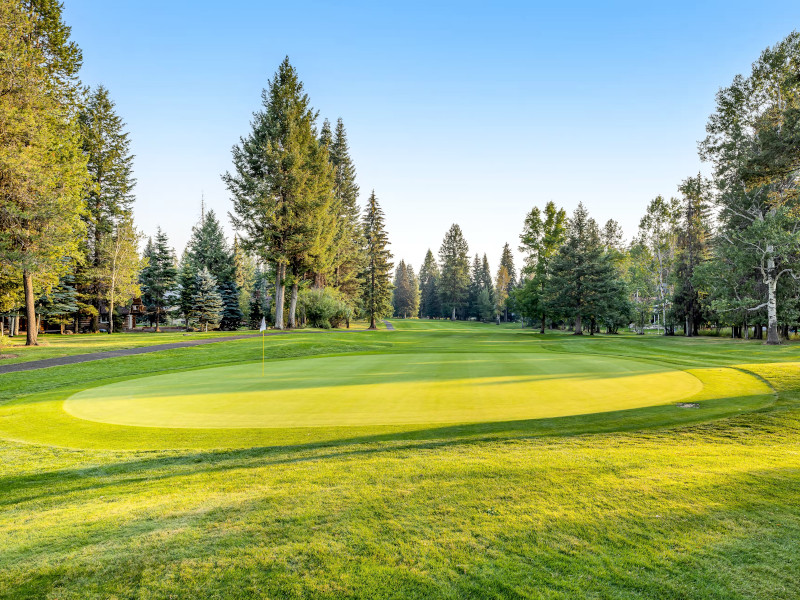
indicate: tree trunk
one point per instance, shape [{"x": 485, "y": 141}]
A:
[
  {"x": 293, "y": 307},
  {"x": 30, "y": 309},
  {"x": 543, "y": 319},
  {"x": 453, "y": 317},
  {"x": 772, "y": 306},
  {"x": 578, "y": 326},
  {"x": 279, "y": 287},
  {"x": 111, "y": 316}
]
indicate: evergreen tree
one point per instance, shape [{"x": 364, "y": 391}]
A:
[
  {"x": 159, "y": 278},
  {"x": 348, "y": 243},
  {"x": 231, "y": 317},
  {"x": 259, "y": 299},
  {"x": 430, "y": 305},
  {"x": 186, "y": 278},
  {"x": 406, "y": 294},
  {"x": 692, "y": 251},
  {"x": 207, "y": 247},
  {"x": 43, "y": 169},
  {"x": 400, "y": 293},
  {"x": 540, "y": 240},
  {"x": 59, "y": 303},
  {"x": 109, "y": 196},
  {"x": 584, "y": 282},
  {"x": 474, "y": 287},
  {"x": 282, "y": 187},
  {"x": 377, "y": 287},
  {"x": 412, "y": 283},
  {"x": 454, "y": 269},
  {"x": 507, "y": 261},
  {"x": 486, "y": 282},
  {"x": 208, "y": 305},
  {"x": 486, "y": 307}
]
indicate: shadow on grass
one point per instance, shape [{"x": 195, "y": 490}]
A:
[
  {"x": 349, "y": 444},
  {"x": 683, "y": 539}
]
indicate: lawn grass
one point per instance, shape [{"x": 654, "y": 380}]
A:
[
  {"x": 664, "y": 503},
  {"x": 57, "y": 345}
]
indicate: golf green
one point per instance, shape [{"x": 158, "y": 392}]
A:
[{"x": 386, "y": 389}]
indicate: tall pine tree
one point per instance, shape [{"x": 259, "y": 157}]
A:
[
  {"x": 348, "y": 242},
  {"x": 109, "y": 195},
  {"x": 282, "y": 187},
  {"x": 454, "y": 269},
  {"x": 377, "y": 286},
  {"x": 430, "y": 306},
  {"x": 43, "y": 169},
  {"x": 208, "y": 306}
]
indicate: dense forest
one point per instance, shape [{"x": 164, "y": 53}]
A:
[{"x": 724, "y": 251}]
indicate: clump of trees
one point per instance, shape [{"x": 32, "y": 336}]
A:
[{"x": 295, "y": 201}]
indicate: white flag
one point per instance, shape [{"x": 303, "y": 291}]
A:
[{"x": 263, "y": 324}]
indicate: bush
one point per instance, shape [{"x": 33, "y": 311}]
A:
[{"x": 324, "y": 308}]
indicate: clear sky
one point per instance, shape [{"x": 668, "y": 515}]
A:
[{"x": 466, "y": 112}]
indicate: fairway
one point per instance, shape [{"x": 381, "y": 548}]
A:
[{"x": 386, "y": 390}]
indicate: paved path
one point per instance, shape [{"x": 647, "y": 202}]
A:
[{"x": 81, "y": 358}]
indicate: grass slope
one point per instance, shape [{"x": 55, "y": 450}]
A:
[{"x": 492, "y": 510}]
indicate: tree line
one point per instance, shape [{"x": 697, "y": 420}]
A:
[{"x": 723, "y": 252}]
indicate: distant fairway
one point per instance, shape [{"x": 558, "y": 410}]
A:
[{"x": 386, "y": 390}]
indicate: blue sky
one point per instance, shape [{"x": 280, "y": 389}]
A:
[{"x": 459, "y": 112}]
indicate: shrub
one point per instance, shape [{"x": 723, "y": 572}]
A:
[{"x": 323, "y": 308}]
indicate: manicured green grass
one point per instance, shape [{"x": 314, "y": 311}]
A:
[
  {"x": 56, "y": 345},
  {"x": 652, "y": 502},
  {"x": 423, "y": 388}
]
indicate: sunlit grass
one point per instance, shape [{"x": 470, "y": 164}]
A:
[{"x": 645, "y": 507}]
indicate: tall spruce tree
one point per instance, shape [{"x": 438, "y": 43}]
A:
[
  {"x": 584, "y": 283},
  {"x": 474, "y": 287},
  {"x": 185, "y": 280},
  {"x": 400, "y": 292},
  {"x": 377, "y": 286},
  {"x": 430, "y": 306},
  {"x": 454, "y": 269},
  {"x": 43, "y": 169},
  {"x": 60, "y": 302},
  {"x": 159, "y": 278},
  {"x": 109, "y": 195},
  {"x": 207, "y": 247},
  {"x": 348, "y": 243},
  {"x": 208, "y": 306},
  {"x": 282, "y": 187}
]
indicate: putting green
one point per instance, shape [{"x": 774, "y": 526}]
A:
[{"x": 385, "y": 389}]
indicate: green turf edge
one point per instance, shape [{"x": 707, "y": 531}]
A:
[{"x": 40, "y": 419}]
